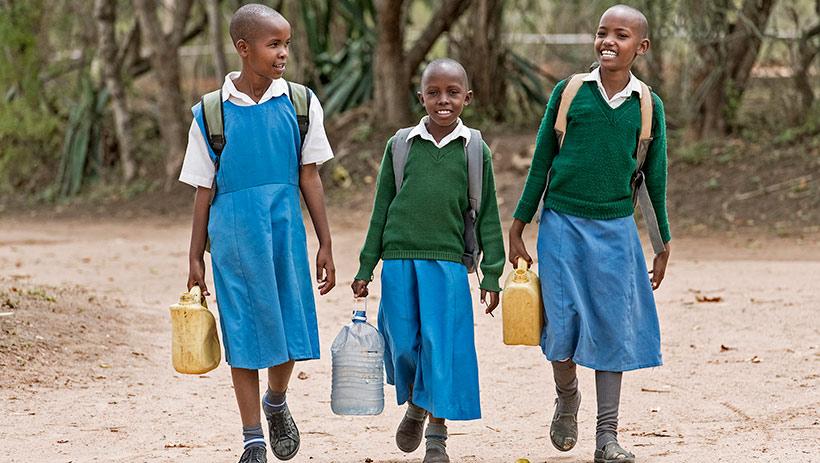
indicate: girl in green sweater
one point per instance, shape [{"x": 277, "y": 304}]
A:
[
  {"x": 426, "y": 312},
  {"x": 598, "y": 301}
]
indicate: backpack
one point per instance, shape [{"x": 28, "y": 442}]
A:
[
  {"x": 213, "y": 118},
  {"x": 474, "y": 154},
  {"x": 640, "y": 195}
]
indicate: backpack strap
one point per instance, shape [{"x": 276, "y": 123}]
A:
[
  {"x": 474, "y": 154},
  {"x": 400, "y": 150},
  {"x": 300, "y": 97},
  {"x": 567, "y": 95},
  {"x": 213, "y": 116},
  {"x": 640, "y": 194}
]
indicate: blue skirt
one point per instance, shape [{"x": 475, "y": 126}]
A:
[
  {"x": 598, "y": 301},
  {"x": 267, "y": 313},
  {"x": 426, "y": 317}
]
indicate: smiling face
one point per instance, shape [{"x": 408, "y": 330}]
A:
[
  {"x": 444, "y": 94},
  {"x": 266, "y": 52},
  {"x": 620, "y": 38}
]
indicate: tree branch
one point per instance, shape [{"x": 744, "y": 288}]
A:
[{"x": 442, "y": 19}]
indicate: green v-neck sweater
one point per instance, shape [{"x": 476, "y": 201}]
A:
[
  {"x": 592, "y": 172},
  {"x": 425, "y": 219}
]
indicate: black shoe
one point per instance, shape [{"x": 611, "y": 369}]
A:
[
  {"x": 284, "y": 436},
  {"x": 254, "y": 455}
]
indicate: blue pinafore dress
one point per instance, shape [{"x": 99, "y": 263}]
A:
[{"x": 267, "y": 312}]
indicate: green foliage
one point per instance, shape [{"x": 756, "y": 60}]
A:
[
  {"x": 29, "y": 130},
  {"x": 343, "y": 72}
]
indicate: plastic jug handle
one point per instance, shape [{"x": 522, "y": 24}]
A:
[
  {"x": 196, "y": 295},
  {"x": 522, "y": 264},
  {"x": 359, "y": 309}
]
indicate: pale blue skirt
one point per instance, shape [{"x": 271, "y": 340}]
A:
[
  {"x": 426, "y": 317},
  {"x": 598, "y": 301}
]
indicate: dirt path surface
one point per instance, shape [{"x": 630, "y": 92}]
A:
[{"x": 86, "y": 372}]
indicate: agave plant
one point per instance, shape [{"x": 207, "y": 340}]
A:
[{"x": 343, "y": 72}]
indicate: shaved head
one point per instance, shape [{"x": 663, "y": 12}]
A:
[
  {"x": 246, "y": 21},
  {"x": 445, "y": 65},
  {"x": 633, "y": 14}
]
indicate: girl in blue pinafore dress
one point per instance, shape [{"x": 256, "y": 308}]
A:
[{"x": 598, "y": 303}]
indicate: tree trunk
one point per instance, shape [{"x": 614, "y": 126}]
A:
[
  {"x": 164, "y": 59},
  {"x": 217, "y": 38},
  {"x": 482, "y": 54},
  {"x": 729, "y": 53},
  {"x": 391, "y": 81},
  {"x": 105, "y": 14},
  {"x": 807, "y": 49}
]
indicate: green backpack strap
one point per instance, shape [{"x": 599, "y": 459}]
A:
[
  {"x": 474, "y": 154},
  {"x": 300, "y": 97},
  {"x": 213, "y": 116}
]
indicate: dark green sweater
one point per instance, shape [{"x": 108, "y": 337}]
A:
[
  {"x": 425, "y": 220},
  {"x": 591, "y": 173}
]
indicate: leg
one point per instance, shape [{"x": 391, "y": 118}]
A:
[
  {"x": 436, "y": 446},
  {"x": 246, "y": 388},
  {"x": 608, "y": 389},
  {"x": 284, "y": 435},
  {"x": 564, "y": 426}
]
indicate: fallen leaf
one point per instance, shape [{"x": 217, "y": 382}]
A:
[
  {"x": 302, "y": 375},
  {"x": 756, "y": 359},
  {"x": 177, "y": 446},
  {"x": 702, "y": 298},
  {"x": 62, "y": 441},
  {"x": 725, "y": 348},
  {"x": 105, "y": 365}
]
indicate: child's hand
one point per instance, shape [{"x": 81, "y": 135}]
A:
[
  {"x": 518, "y": 249},
  {"x": 359, "y": 288},
  {"x": 493, "y": 300},
  {"x": 324, "y": 265},
  {"x": 659, "y": 267},
  {"x": 196, "y": 276}
]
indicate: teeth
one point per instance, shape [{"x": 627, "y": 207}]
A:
[{"x": 608, "y": 53}]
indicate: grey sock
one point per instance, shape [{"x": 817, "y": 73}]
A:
[
  {"x": 608, "y": 389},
  {"x": 273, "y": 402},
  {"x": 253, "y": 437},
  {"x": 436, "y": 435},
  {"x": 566, "y": 386}
]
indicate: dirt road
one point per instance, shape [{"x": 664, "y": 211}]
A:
[{"x": 740, "y": 380}]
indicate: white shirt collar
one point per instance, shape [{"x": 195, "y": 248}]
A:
[
  {"x": 633, "y": 85},
  {"x": 420, "y": 130},
  {"x": 229, "y": 91}
]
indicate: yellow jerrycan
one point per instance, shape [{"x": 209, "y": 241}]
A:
[
  {"x": 194, "y": 344},
  {"x": 521, "y": 307}
]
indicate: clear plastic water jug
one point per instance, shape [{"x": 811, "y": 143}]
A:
[{"x": 357, "y": 378}]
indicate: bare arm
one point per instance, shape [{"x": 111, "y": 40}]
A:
[
  {"x": 199, "y": 235},
  {"x": 311, "y": 186}
]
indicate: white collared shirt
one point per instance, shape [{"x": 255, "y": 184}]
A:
[
  {"x": 198, "y": 168},
  {"x": 619, "y": 98},
  {"x": 420, "y": 130}
]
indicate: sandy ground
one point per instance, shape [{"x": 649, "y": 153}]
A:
[{"x": 740, "y": 381}]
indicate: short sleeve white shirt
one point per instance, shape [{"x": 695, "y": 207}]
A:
[
  {"x": 198, "y": 168},
  {"x": 619, "y": 98}
]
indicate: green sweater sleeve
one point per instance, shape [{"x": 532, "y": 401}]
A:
[
  {"x": 385, "y": 192},
  {"x": 490, "y": 238},
  {"x": 655, "y": 168},
  {"x": 546, "y": 147}
]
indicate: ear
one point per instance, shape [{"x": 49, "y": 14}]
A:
[
  {"x": 468, "y": 98},
  {"x": 643, "y": 47},
  {"x": 420, "y": 97},
  {"x": 242, "y": 47}
]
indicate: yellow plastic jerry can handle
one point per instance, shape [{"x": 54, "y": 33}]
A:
[{"x": 521, "y": 272}]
